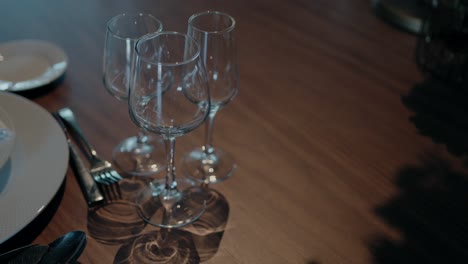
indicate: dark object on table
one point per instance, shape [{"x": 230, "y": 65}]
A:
[
  {"x": 65, "y": 249},
  {"x": 442, "y": 51},
  {"x": 26, "y": 254},
  {"x": 430, "y": 211},
  {"x": 439, "y": 112},
  {"x": 408, "y": 15}
]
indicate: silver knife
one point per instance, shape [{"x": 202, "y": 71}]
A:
[{"x": 88, "y": 186}]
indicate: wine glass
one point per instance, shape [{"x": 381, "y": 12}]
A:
[
  {"x": 214, "y": 31},
  {"x": 169, "y": 96},
  {"x": 142, "y": 154}
]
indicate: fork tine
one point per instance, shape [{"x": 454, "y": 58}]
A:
[
  {"x": 106, "y": 189},
  {"x": 107, "y": 177},
  {"x": 111, "y": 190},
  {"x": 118, "y": 192},
  {"x": 98, "y": 177},
  {"x": 110, "y": 176},
  {"x": 116, "y": 175}
]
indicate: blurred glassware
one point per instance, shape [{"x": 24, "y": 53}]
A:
[{"x": 142, "y": 154}]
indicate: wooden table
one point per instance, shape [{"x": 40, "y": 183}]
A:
[{"x": 326, "y": 129}]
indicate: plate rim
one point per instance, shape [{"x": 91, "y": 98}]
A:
[
  {"x": 54, "y": 181},
  {"x": 39, "y": 81}
]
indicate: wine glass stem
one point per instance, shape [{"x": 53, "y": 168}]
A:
[
  {"x": 208, "y": 148},
  {"x": 142, "y": 137},
  {"x": 171, "y": 183}
]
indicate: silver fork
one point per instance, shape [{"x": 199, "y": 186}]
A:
[{"x": 101, "y": 170}]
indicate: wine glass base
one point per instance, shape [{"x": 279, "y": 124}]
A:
[
  {"x": 168, "y": 246},
  {"x": 208, "y": 168},
  {"x": 141, "y": 159},
  {"x": 171, "y": 208}
]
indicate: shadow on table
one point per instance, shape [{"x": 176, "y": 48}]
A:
[
  {"x": 195, "y": 243},
  {"x": 441, "y": 113},
  {"x": 27, "y": 235},
  {"x": 159, "y": 246},
  {"x": 430, "y": 212},
  {"x": 118, "y": 223},
  {"x": 208, "y": 230}
]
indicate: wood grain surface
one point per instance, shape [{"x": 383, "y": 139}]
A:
[{"x": 343, "y": 146}]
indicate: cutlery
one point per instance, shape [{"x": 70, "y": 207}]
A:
[
  {"x": 101, "y": 170},
  {"x": 34, "y": 250},
  {"x": 88, "y": 186},
  {"x": 65, "y": 249},
  {"x": 30, "y": 255}
]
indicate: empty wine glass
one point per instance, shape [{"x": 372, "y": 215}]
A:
[
  {"x": 214, "y": 31},
  {"x": 142, "y": 154},
  {"x": 169, "y": 96}
]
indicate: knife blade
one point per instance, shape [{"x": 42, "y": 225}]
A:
[{"x": 88, "y": 186}]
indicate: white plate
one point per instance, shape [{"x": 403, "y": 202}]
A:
[
  {"x": 37, "y": 165},
  {"x": 29, "y": 64}
]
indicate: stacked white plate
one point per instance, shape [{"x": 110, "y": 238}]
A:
[
  {"x": 36, "y": 167},
  {"x": 30, "y": 64}
]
